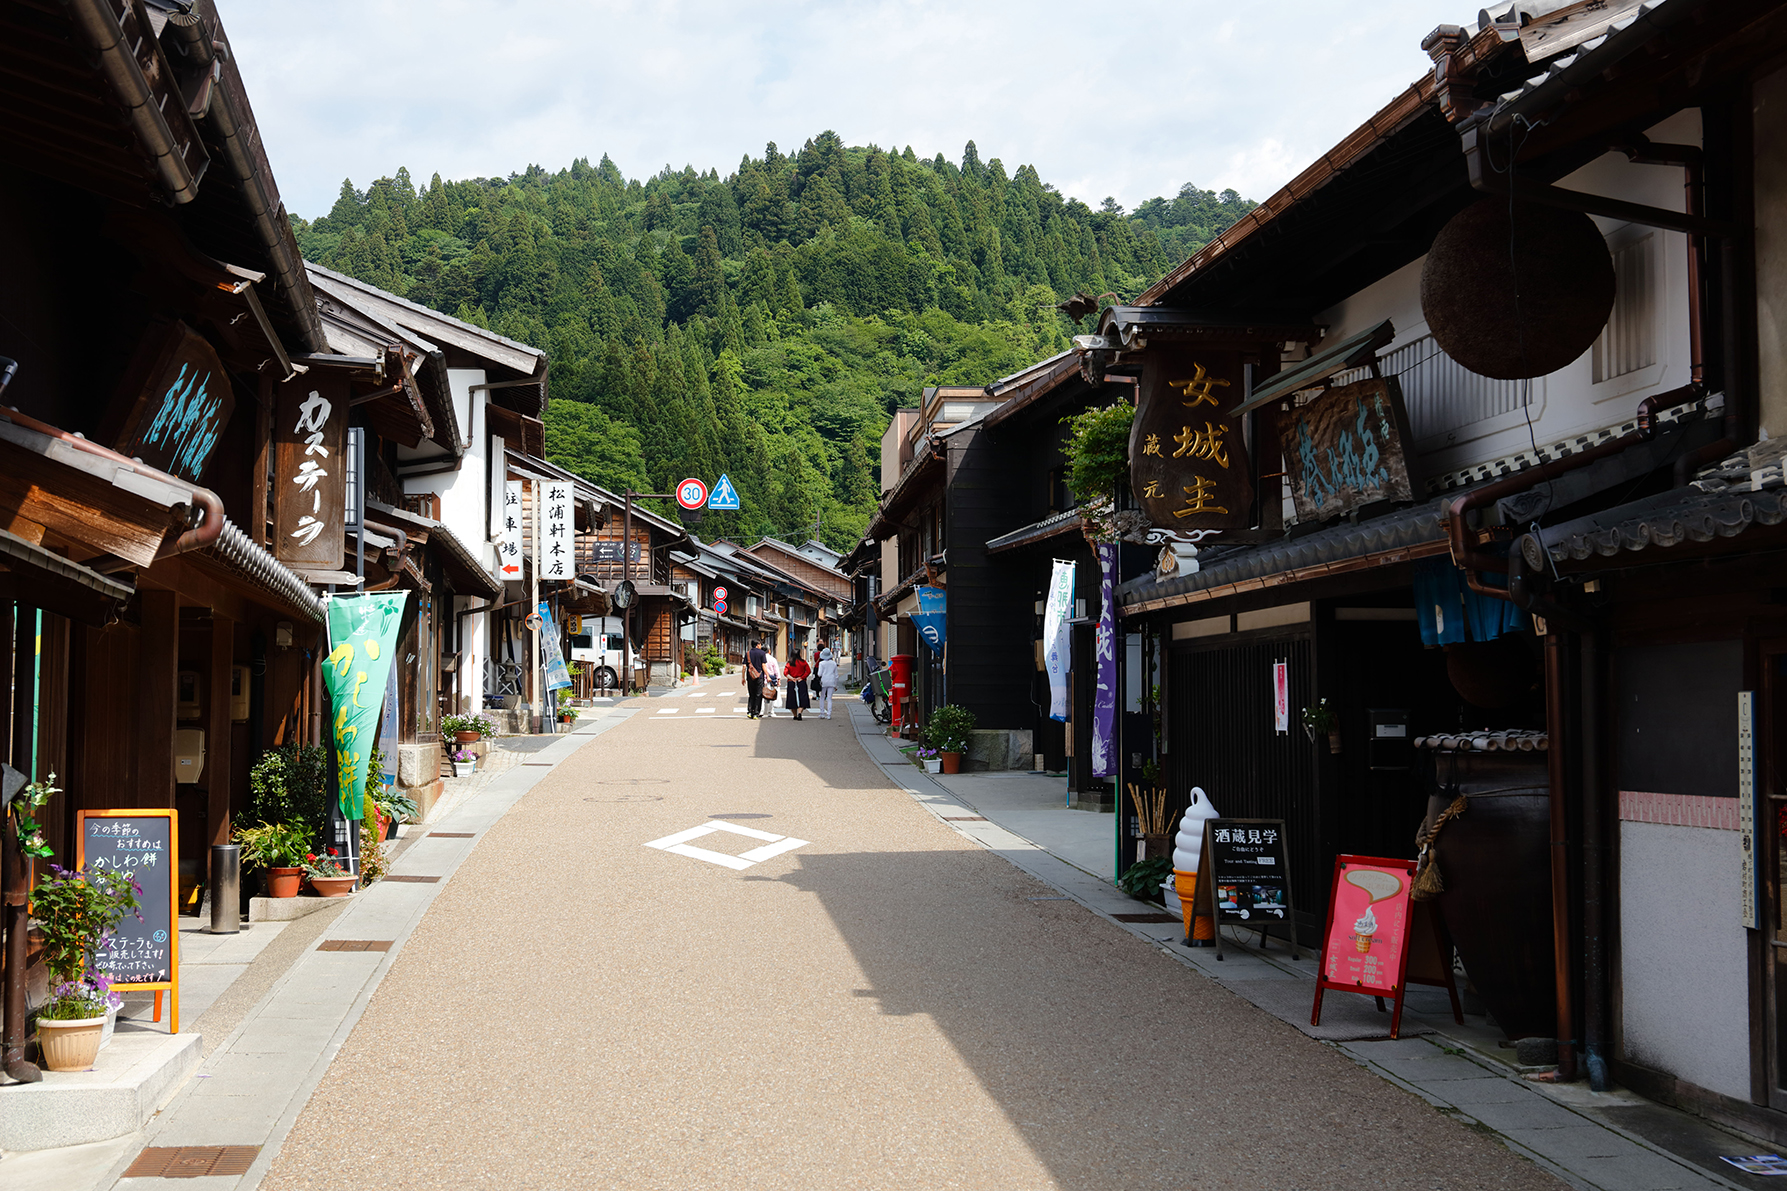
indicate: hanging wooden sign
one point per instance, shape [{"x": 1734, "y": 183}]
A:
[
  {"x": 144, "y": 952},
  {"x": 175, "y": 403},
  {"x": 310, "y": 417},
  {"x": 1188, "y": 465},
  {"x": 1346, "y": 449}
]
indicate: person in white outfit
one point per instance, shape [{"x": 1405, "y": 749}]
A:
[
  {"x": 772, "y": 681},
  {"x": 828, "y": 682}
]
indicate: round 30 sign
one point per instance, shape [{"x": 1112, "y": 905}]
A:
[{"x": 691, "y": 494}]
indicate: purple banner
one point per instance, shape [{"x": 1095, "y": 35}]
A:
[{"x": 1104, "y": 697}]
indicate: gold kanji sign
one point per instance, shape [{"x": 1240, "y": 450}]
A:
[{"x": 1188, "y": 467}]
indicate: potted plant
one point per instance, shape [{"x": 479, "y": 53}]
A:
[
  {"x": 393, "y": 808},
  {"x": 467, "y": 729},
  {"x": 326, "y": 876},
  {"x": 465, "y": 763},
  {"x": 949, "y": 731},
  {"x": 928, "y": 758},
  {"x": 278, "y": 849},
  {"x": 77, "y": 912},
  {"x": 1320, "y": 720}
]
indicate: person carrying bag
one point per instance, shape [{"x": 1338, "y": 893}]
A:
[
  {"x": 797, "y": 672},
  {"x": 772, "y": 678},
  {"x": 756, "y": 662}
]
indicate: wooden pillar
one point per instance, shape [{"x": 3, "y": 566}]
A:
[
  {"x": 15, "y": 879},
  {"x": 158, "y": 667},
  {"x": 217, "y": 731}
]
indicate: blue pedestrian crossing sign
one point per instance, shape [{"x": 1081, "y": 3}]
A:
[{"x": 724, "y": 496}]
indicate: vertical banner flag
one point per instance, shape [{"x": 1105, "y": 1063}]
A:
[
  {"x": 1104, "y": 698},
  {"x": 930, "y": 619},
  {"x": 1281, "y": 696},
  {"x": 1057, "y": 636},
  {"x": 508, "y": 547},
  {"x": 556, "y": 559},
  {"x": 362, "y": 641},
  {"x": 558, "y": 675}
]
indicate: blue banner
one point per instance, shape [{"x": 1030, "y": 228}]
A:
[
  {"x": 1057, "y": 637},
  {"x": 557, "y": 676},
  {"x": 929, "y": 620}
]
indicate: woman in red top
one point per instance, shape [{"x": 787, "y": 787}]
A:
[{"x": 795, "y": 673}]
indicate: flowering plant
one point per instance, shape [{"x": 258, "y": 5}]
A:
[
  {"x": 31, "y": 841},
  {"x": 324, "y": 866},
  {"x": 78, "y": 912},
  {"x": 74, "y": 1000},
  {"x": 464, "y": 757},
  {"x": 925, "y": 754},
  {"x": 1320, "y": 718}
]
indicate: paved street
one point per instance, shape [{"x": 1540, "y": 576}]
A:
[{"x": 885, "y": 1004}]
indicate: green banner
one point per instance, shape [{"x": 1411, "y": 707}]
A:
[{"x": 362, "y": 642}]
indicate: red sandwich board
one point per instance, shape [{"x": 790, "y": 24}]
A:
[{"x": 1365, "y": 945}]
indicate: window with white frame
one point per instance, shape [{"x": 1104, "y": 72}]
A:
[{"x": 1629, "y": 340}]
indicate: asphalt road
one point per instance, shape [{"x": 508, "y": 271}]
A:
[{"x": 882, "y": 1006}]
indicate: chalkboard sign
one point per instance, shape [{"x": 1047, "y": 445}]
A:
[
  {"x": 145, "y": 844},
  {"x": 1248, "y": 867}
]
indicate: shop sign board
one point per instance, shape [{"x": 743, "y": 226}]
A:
[
  {"x": 1345, "y": 449},
  {"x": 142, "y": 954},
  {"x": 1247, "y": 864},
  {"x": 180, "y": 399},
  {"x": 557, "y": 548},
  {"x": 1188, "y": 464},
  {"x": 1104, "y": 648},
  {"x": 509, "y": 558},
  {"x": 1365, "y": 942},
  {"x": 310, "y": 419},
  {"x": 1281, "y": 697},
  {"x": 1746, "y": 801},
  {"x": 609, "y": 551}
]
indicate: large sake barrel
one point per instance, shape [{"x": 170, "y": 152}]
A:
[{"x": 1495, "y": 860}]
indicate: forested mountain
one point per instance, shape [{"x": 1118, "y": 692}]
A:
[{"x": 763, "y": 324}]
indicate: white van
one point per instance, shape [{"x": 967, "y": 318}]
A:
[{"x": 599, "y": 645}]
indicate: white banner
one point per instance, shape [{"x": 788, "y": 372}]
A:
[
  {"x": 508, "y": 545},
  {"x": 557, "y": 552},
  {"x": 1057, "y": 637}
]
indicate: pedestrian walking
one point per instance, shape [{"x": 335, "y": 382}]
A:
[
  {"x": 756, "y": 662},
  {"x": 797, "y": 672},
  {"x": 828, "y": 681},
  {"x": 772, "y": 677}
]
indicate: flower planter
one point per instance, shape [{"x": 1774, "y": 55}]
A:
[
  {"x": 468, "y": 737},
  {"x": 934, "y": 765},
  {"x": 333, "y": 886},
  {"x": 284, "y": 882},
  {"x": 1334, "y": 741},
  {"x": 464, "y": 768},
  {"x": 952, "y": 762},
  {"x": 1155, "y": 846},
  {"x": 111, "y": 1024},
  {"x": 70, "y": 1045}
]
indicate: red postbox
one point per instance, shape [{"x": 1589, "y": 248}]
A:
[{"x": 900, "y": 688}]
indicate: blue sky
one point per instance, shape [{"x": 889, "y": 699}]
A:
[{"x": 1128, "y": 100}]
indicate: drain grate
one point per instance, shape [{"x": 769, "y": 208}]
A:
[
  {"x": 411, "y": 880},
  {"x": 451, "y": 834},
  {"x": 355, "y": 945},
  {"x": 191, "y": 1162},
  {"x": 1147, "y": 918},
  {"x": 964, "y": 818}
]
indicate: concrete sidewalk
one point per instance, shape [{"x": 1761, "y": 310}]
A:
[
  {"x": 263, "y": 1065},
  {"x": 1609, "y": 1141}
]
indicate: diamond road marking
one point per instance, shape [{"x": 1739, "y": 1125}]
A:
[{"x": 774, "y": 845}]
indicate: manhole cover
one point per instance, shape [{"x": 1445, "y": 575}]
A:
[
  {"x": 355, "y": 945},
  {"x": 191, "y": 1162}
]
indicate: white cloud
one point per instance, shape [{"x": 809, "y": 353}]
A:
[{"x": 1129, "y": 101}]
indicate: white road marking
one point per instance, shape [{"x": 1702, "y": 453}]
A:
[
  {"x": 774, "y": 845},
  {"x": 668, "y": 710},
  {"x": 705, "y": 710}
]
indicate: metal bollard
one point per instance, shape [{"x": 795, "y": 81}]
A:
[{"x": 226, "y": 889}]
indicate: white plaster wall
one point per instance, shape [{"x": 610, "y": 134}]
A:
[
  {"x": 464, "y": 510},
  {"x": 1567, "y": 402},
  {"x": 1683, "y": 967}
]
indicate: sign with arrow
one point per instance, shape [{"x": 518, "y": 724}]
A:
[{"x": 724, "y": 496}]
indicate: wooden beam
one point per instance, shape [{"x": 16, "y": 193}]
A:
[
  {"x": 217, "y": 732},
  {"x": 158, "y": 667},
  {"x": 263, "y": 462}
]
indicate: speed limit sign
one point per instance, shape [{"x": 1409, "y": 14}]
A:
[{"x": 691, "y": 494}]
